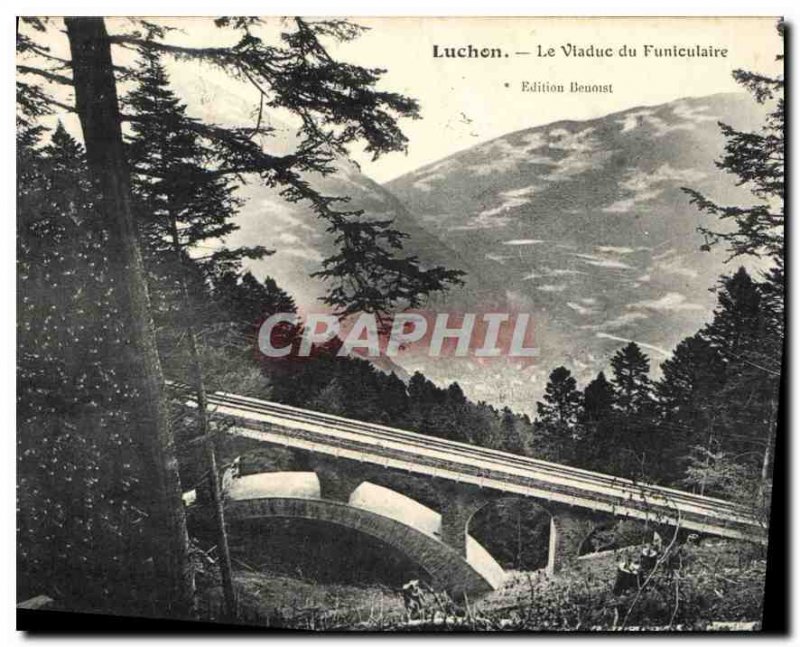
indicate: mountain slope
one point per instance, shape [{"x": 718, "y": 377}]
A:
[
  {"x": 301, "y": 242},
  {"x": 585, "y": 225}
]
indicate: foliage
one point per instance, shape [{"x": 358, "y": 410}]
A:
[
  {"x": 79, "y": 517},
  {"x": 757, "y": 160},
  {"x": 715, "y": 472},
  {"x": 71, "y": 373},
  {"x": 515, "y": 531},
  {"x": 338, "y": 105},
  {"x": 179, "y": 198},
  {"x": 595, "y": 424},
  {"x": 705, "y": 586},
  {"x": 631, "y": 379},
  {"x": 557, "y": 416}
]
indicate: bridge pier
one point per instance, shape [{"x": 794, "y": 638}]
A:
[
  {"x": 568, "y": 530},
  {"x": 335, "y": 483},
  {"x": 457, "y": 507}
]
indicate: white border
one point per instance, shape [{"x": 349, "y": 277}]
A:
[
  {"x": 409, "y": 7},
  {"x": 786, "y": 8}
]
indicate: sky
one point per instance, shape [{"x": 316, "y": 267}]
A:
[{"x": 466, "y": 101}]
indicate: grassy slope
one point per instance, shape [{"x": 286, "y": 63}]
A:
[{"x": 718, "y": 582}]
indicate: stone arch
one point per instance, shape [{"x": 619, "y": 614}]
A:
[
  {"x": 256, "y": 456},
  {"x": 448, "y": 525},
  {"x": 395, "y": 505},
  {"x": 447, "y": 569},
  {"x": 339, "y": 477},
  {"x": 422, "y": 489},
  {"x": 594, "y": 542},
  {"x": 626, "y": 533},
  {"x": 567, "y": 529},
  {"x": 480, "y": 523}
]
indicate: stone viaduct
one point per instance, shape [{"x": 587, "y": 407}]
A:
[{"x": 456, "y": 480}]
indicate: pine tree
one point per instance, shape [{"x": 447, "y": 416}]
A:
[
  {"x": 557, "y": 416},
  {"x": 772, "y": 360},
  {"x": 598, "y": 399},
  {"x": 631, "y": 379},
  {"x": 338, "y": 105},
  {"x": 689, "y": 403},
  {"x": 595, "y": 422},
  {"x": 449, "y": 413},
  {"x": 689, "y": 378},
  {"x": 245, "y": 302},
  {"x": 175, "y": 187},
  {"x": 423, "y": 397},
  {"x": 756, "y": 159},
  {"x": 637, "y": 449},
  {"x": 180, "y": 204},
  {"x": 773, "y": 291},
  {"x": 739, "y": 319},
  {"x": 512, "y": 441},
  {"x": 739, "y": 333},
  {"x": 394, "y": 400}
]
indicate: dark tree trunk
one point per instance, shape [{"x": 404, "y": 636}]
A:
[
  {"x": 767, "y": 460},
  {"x": 226, "y": 569},
  {"x": 98, "y": 110}
]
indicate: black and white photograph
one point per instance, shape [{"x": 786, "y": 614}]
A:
[{"x": 399, "y": 324}]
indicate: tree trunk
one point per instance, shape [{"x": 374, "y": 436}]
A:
[
  {"x": 771, "y": 429},
  {"x": 226, "y": 568},
  {"x": 98, "y": 110},
  {"x": 708, "y": 455},
  {"x": 765, "y": 467}
]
